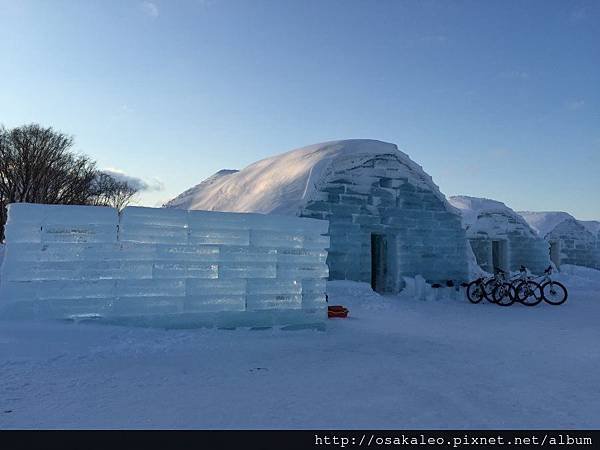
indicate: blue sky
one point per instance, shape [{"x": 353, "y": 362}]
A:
[{"x": 494, "y": 98}]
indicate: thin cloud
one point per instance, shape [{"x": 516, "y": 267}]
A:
[
  {"x": 575, "y": 104},
  {"x": 150, "y": 9},
  {"x": 142, "y": 185}
]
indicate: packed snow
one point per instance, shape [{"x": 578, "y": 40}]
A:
[
  {"x": 396, "y": 362},
  {"x": 282, "y": 184}
]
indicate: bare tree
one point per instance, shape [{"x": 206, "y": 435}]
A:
[
  {"x": 107, "y": 191},
  {"x": 38, "y": 166}
]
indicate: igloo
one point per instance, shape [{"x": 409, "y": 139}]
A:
[
  {"x": 571, "y": 241},
  {"x": 499, "y": 237},
  {"x": 387, "y": 218}
]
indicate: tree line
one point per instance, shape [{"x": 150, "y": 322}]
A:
[{"x": 37, "y": 165}]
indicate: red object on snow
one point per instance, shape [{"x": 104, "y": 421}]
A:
[{"x": 337, "y": 311}]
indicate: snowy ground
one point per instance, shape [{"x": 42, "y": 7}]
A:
[{"x": 396, "y": 363}]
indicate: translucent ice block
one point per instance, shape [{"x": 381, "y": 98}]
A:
[
  {"x": 273, "y": 301},
  {"x": 218, "y": 236},
  {"x": 263, "y": 238},
  {"x": 245, "y": 270},
  {"x": 153, "y": 234}
]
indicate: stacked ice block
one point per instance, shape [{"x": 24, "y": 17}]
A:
[{"x": 164, "y": 266}]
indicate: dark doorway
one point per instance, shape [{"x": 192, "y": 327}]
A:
[
  {"x": 499, "y": 255},
  {"x": 378, "y": 262},
  {"x": 555, "y": 253}
]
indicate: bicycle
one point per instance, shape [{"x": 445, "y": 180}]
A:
[
  {"x": 483, "y": 287},
  {"x": 521, "y": 288},
  {"x": 553, "y": 292},
  {"x": 528, "y": 289}
]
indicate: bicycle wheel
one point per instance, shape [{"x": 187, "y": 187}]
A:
[
  {"x": 488, "y": 290},
  {"x": 504, "y": 294},
  {"x": 529, "y": 293},
  {"x": 475, "y": 291},
  {"x": 554, "y": 292}
]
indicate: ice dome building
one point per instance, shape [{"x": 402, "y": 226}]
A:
[
  {"x": 571, "y": 241},
  {"x": 387, "y": 218},
  {"x": 500, "y": 238}
]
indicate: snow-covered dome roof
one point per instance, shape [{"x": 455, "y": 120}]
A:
[
  {"x": 473, "y": 208},
  {"x": 543, "y": 222},
  {"x": 593, "y": 226},
  {"x": 284, "y": 183}
]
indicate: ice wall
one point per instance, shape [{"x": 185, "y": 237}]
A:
[
  {"x": 164, "y": 266},
  {"x": 383, "y": 194},
  {"x": 577, "y": 245}
]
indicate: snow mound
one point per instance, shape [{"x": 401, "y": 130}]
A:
[
  {"x": 284, "y": 183},
  {"x": 355, "y": 294},
  {"x": 474, "y": 208},
  {"x": 579, "y": 276}
]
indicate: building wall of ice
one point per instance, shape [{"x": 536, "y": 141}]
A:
[
  {"x": 383, "y": 195},
  {"x": 576, "y": 244},
  {"x": 164, "y": 266},
  {"x": 388, "y": 219},
  {"x": 573, "y": 241},
  {"x": 487, "y": 221}
]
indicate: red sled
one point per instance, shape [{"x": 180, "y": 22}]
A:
[{"x": 337, "y": 311}]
